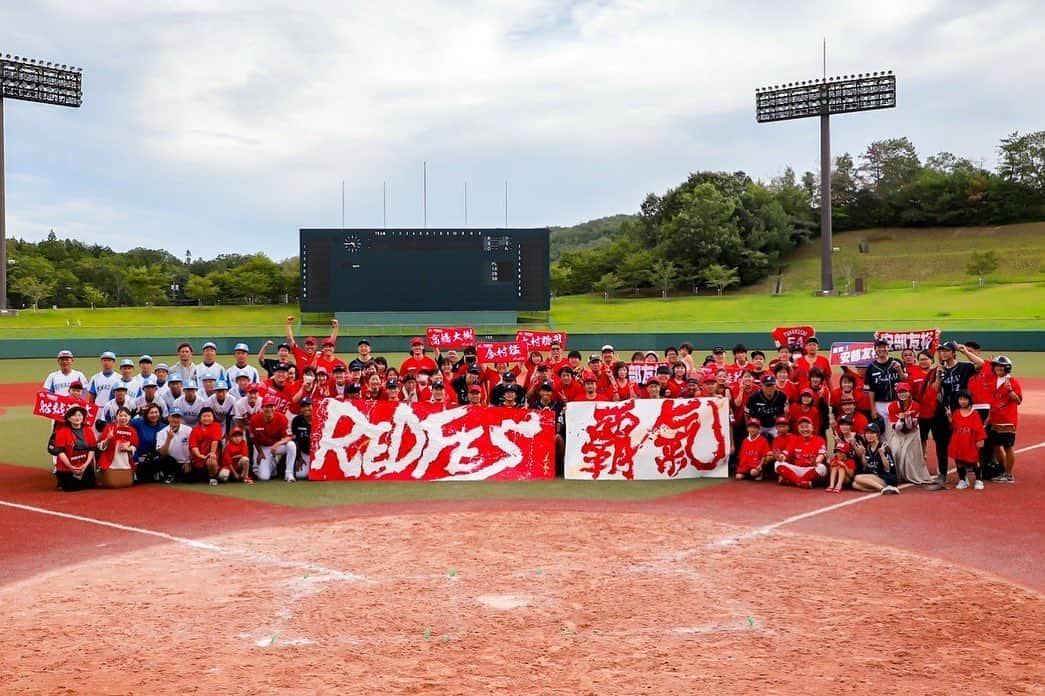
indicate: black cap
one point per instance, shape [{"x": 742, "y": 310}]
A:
[
  {"x": 356, "y": 365},
  {"x": 949, "y": 345},
  {"x": 718, "y": 350},
  {"x": 547, "y": 386},
  {"x": 508, "y": 377},
  {"x": 354, "y": 388},
  {"x": 362, "y": 341},
  {"x": 874, "y": 428},
  {"x": 283, "y": 345},
  {"x": 594, "y": 359},
  {"x": 392, "y": 384},
  {"x": 663, "y": 370},
  {"x": 339, "y": 368},
  {"x": 438, "y": 384},
  {"x": 880, "y": 342},
  {"x": 848, "y": 420},
  {"x": 281, "y": 367},
  {"x": 307, "y": 401},
  {"x": 474, "y": 370}
]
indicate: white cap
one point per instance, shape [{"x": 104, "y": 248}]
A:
[{"x": 607, "y": 347}]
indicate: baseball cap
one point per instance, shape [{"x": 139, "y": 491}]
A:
[
  {"x": 594, "y": 359},
  {"x": 356, "y": 365},
  {"x": 119, "y": 387},
  {"x": 709, "y": 376},
  {"x": 805, "y": 419},
  {"x": 65, "y": 354},
  {"x": 162, "y": 366},
  {"x": 842, "y": 446},
  {"x": 949, "y": 345},
  {"x": 175, "y": 378},
  {"x": 242, "y": 375},
  {"x": 608, "y": 348},
  {"x": 873, "y": 428},
  {"x": 768, "y": 380},
  {"x": 210, "y": 344},
  {"x": 438, "y": 384},
  {"x": 845, "y": 420},
  {"x": 268, "y": 401},
  {"x": 782, "y": 420},
  {"x": 241, "y": 346},
  {"x": 362, "y": 341},
  {"x": 310, "y": 340},
  {"x": 416, "y": 341},
  {"x": 651, "y": 381},
  {"x": 209, "y": 376},
  {"x": 307, "y": 401},
  {"x": 221, "y": 384},
  {"x": 718, "y": 350},
  {"x": 474, "y": 370},
  {"x": 108, "y": 355},
  {"x": 283, "y": 345},
  {"x": 692, "y": 380},
  {"x": 337, "y": 368},
  {"x": 755, "y": 422},
  {"x": 903, "y": 386},
  {"x": 508, "y": 377},
  {"x": 76, "y": 385},
  {"x": 475, "y": 388},
  {"x": 191, "y": 384},
  {"x": 281, "y": 367},
  {"x": 880, "y": 342},
  {"x": 806, "y": 392},
  {"x": 589, "y": 376},
  {"x": 409, "y": 377},
  {"x": 123, "y": 363},
  {"x": 175, "y": 412},
  {"x": 145, "y": 358},
  {"x": 663, "y": 370},
  {"x": 252, "y": 388},
  {"x": 149, "y": 381},
  {"x": 236, "y": 431},
  {"x": 354, "y": 388},
  {"x": 392, "y": 384},
  {"x": 547, "y": 386},
  {"x": 328, "y": 342}
]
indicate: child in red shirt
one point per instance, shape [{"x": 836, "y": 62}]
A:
[
  {"x": 843, "y": 466},
  {"x": 753, "y": 452},
  {"x": 235, "y": 458},
  {"x": 967, "y": 437}
]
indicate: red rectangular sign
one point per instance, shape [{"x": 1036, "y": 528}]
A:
[
  {"x": 451, "y": 337},
  {"x": 54, "y": 406},
  {"x": 395, "y": 441},
  {"x": 852, "y": 354},
  {"x": 926, "y": 339},
  {"x": 491, "y": 352},
  {"x": 540, "y": 340}
]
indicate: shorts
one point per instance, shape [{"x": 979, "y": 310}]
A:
[{"x": 1001, "y": 439}]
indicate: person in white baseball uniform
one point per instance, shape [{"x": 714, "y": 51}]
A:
[
  {"x": 130, "y": 380},
  {"x": 190, "y": 404},
  {"x": 222, "y": 403},
  {"x": 241, "y": 353},
  {"x": 100, "y": 386},
  {"x": 210, "y": 364},
  {"x": 58, "y": 381},
  {"x": 150, "y": 395}
]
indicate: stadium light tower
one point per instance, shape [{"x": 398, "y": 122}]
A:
[
  {"x": 835, "y": 95},
  {"x": 32, "y": 80}
]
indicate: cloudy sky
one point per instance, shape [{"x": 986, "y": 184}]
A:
[{"x": 226, "y": 126}]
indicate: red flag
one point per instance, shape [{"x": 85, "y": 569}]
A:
[
  {"x": 493, "y": 352},
  {"x": 451, "y": 337},
  {"x": 540, "y": 340},
  {"x": 54, "y": 406}
]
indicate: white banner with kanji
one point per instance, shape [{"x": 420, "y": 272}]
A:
[{"x": 647, "y": 439}]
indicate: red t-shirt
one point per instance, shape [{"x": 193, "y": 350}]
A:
[
  {"x": 574, "y": 392},
  {"x": 231, "y": 453},
  {"x": 64, "y": 439},
  {"x": 674, "y": 388},
  {"x": 981, "y": 385},
  {"x": 329, "y": 365},
  {"x": 418, "y": 364},
  {"x": 752, "y": 454},
  {"x": 894, "y": 411},
  {"x": 795, "y": 411},
  {"x": 303, "y": 359},
  {"x": 1003, "y": 408},
  {"x": 201, "y": 438},
  {"x": 268, "y": 434},
  {"x": 966, "y": 431},
  {"x": 120, "y": 433},
  {"x": 805, "y": 451}
]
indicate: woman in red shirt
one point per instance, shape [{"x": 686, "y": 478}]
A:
[
  {"x": 118, "y": 439},
  {"x": 903, "y": 438},
  {"x": 622, "y": 388},
  {"x": 73, "y": 448},
  {"x": 806, "y": 407},
  {"x": 676, "y": 386},
  {"x": 204, "y": 441}
]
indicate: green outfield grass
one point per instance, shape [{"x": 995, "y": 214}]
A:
[{"x": 1016, "y": 306}]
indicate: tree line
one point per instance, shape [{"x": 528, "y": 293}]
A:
[
  {"x": 67, "y": 272},
  {"x": 719, "y": 229}
]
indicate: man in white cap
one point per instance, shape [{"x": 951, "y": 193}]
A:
[
  {"x": 190, "y": 403},
  {"x": 171, "y": 391},
  {"x": 172, "y": 443},
  {"x": 207, "y": 380},
  {"x": 150, "y": 395},
  {"x": 145, "y": 368},
  {"x": 99, "y": 388},
  {"x": 58, "y": 381},
  {"x": 222, "y": 403},
  {"x": 162, "y": 372},
  {"x": 241, "y": 353},
  {"x": 210, "y": 364},
  {"x": 129, "y": 379}
]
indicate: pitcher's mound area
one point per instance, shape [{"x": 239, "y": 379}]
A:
[{"x": 569, "y": 603}]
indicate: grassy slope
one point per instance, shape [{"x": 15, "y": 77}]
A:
[{"x": 929, "y": 256}]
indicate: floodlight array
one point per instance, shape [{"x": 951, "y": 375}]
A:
[
  {"x": 834, "y": 95},
  {"x": 39, "y": 81}
]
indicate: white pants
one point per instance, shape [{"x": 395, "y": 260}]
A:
[
  {"x": 304, "y": 462},
  {"x": 265, "y": 460}
]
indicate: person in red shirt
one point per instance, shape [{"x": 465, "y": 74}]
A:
[
  {"x": 270, "y": 433},
  {"x": 843, "y": 467},
  {"x": 786, "y": 383},
  {"x": 555, "y": 360},
  {"x": 810, "y": 359},
  {"x": 805, "y": 408},
  {"x": 235, "y": 458},
  {"x": 418, "y": 360},
  {"x": 73, "y": 448},
  {"x": 927, "y": 401},
  {"x": 569, "y": 388},
  {"x": 1005, "y": 400},
  {"x": 308, "y": 356},
  {"x": 621, "y": 387},
  {"x": 847, "y": 407},
  {"x": 849, "y": 385},
  {"x": 591, "y": 387},
  {"x": 204, "y": 441},
  {"x": 808, "y": 462},
  {"x": 903, "y": 440},
  {"x": 754, "y": 452},
  {"x": 967, "y": 437},
  {"x": 118, "y": 439},
  {"x": 327, "y": 360},
  {"x": 476, "y": 396},
  {"x": 441, "y": 395},
  {"x": 676, "y": 386}
]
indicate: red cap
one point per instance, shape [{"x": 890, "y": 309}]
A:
[
  {"x": 589, "y": 376},
  {"x": 417, "y": 341},
  {"x": 322, "y": 371},
  {"x": 268, "y": 401},
  {"x": 252, "y": 388},
  {"x": 782, "y": 420},
  {"x": 755, "y": 422},
  {"x": 808, "y": 391},
  {"x": 842, "y": 447},
  {"x": 805, "y": 419},
  {"x": 76, "y": 385},
  {"x": 903, "y": 386},
  {"x": 708, "y": 376},
  {"x": 310, "y": 339},
  {"x": 236, "y": 431},
  {"x": 328, "y": 342},
  {"x": 475, "y": 388}
]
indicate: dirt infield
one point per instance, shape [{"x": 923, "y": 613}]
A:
[{"x": 523, "y": 602}]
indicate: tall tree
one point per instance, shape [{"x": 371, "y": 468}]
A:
[
  {"x": 1023, "y": 159},
  {"x": 32, "y": 288},
  {"x": 888, "y": 164}
]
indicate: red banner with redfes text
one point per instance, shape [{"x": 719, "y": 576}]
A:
[
  {"x": 792, "y": 335},
  {"x": 395, "y": 441},
  {"x": 54, "y": 406},
  {"x": 852, "y": 354},
  {"x": 927, "y": 339},
  {"x": 495, "y": 352},
  {"x": 451, "y": 337},
  {"x": 540, "y": 340}
]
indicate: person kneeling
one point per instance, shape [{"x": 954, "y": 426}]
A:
[
  {"x": 754, "y": 451},
  {"x": 877, "y": 471},
  {"x": 808, "y": 458},
  {"x": 270, "y": 431},
  {"x": 235, "y": 458}
]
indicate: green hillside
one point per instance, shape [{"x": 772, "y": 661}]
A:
[{"x": 586, "y": 235}]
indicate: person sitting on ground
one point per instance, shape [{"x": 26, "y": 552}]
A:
[
  {"x": 73, "y": 448},
  {"x": 876, "y": 470},
  {"x": 904, "y": 438},
  {"x": 808, "y": 463},
  {"x": 204, "y": 443},
  {"x": 754, "y": 453},
  {"x": 148, "y": 424},
  {"x": 842, "y": 466},
  {"x": 235, "y": 458},
  {"x": 118, "y": 442}
]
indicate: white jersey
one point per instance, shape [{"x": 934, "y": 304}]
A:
[
  {"x": 243, "y": 410},
  {"x": 164, "y": 394},
  {"x": 186, "y": 372},
  {"x": 140, "y": 403},
  {"x": 101, "y": 386},
  {"x": 222, "y": 412},
  {"x": 179, "y": 448},
  {"x": 190, "y": 412},
  {"x": 107, "y": 414},
  {"x": 233, "y": 372},
  {"x": 215, "y": 369},
  {"x": 134, "y": 387},
  {"x": 58, "y": 383}
]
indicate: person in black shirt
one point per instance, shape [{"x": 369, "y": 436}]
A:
[
  {"x": 951, "y": 377},
  {"x": 301, "y": 431},
  {"x": 766, "y": 405},
  {"x": 881, "y": 377},
  {"x": 461, "y": 383},
  {"x": 545, "y": 402},
  {"x": 268, "y": 364}
]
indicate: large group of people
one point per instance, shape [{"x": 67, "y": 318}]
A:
[{"x": 198, "y": 421}]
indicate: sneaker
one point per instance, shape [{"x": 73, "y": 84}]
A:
[
  {"x": 249, "y": 481},
  {"x": 805, "y": 484},
  {"x": 890, "y": 490},
  {"x": 978, "y": 485},
  {"x": 169, "y": 479},
  {"x": 962, "y": 485},
  {"x": 1004, "y": 478},
  {"x": 290, "y": 479},
  {"x": 214, "y": 482}
]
